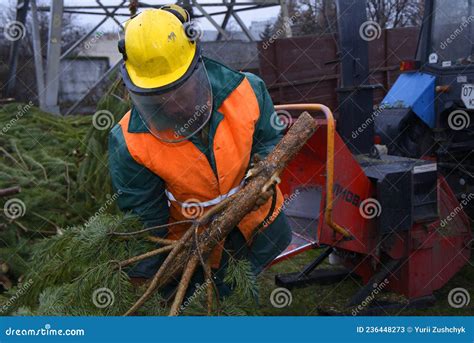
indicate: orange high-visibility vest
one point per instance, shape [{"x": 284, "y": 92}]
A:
[{"x": 190, "y": 182}]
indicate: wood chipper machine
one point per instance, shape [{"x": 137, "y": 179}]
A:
[{"x": 387, "y": 219}]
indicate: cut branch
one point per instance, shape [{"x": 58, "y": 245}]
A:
[
  {"x": 183, "y": 285},
  {"x": 9, "y": 191},
  {"x": 152, "y": 253}
]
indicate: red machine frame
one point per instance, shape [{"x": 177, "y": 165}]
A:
[{"x": 429, "y": 253}]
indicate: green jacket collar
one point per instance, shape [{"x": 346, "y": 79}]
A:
[{"x": 223, "y": 82}]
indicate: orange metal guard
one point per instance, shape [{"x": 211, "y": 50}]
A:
[{"x": 331, "y": 127}]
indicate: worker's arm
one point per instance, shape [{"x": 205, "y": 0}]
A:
[
  {"x": 141, "y": 191},
  {"x": 266, "y": 136}
]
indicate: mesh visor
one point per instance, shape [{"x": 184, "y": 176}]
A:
[{"x": 177, "y": 114}]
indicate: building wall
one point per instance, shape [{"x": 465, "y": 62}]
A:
[
  {"x": 238, "y": 55},
  {"x": 78, "y": 76},
  {"x": 102, "y": 45}
]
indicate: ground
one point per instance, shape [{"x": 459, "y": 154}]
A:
[{"x": 306, "y": 301}]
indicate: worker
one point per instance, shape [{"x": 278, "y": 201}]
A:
[{"x": 188, "y": 141}]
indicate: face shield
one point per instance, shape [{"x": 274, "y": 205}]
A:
[{"x": 178, "y": 111}]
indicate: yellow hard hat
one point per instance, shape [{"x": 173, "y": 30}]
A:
[
  {"x": 157, "y": 50},
  {"x": 165, "y": 73}
]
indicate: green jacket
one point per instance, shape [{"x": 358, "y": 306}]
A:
[{"x": 141, "y": 191}]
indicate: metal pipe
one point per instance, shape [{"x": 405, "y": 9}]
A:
[
  {"x": 38, "y": 56},
  {"x": 143, "y": 5},
  {"x": 211, "y": 20},
  {"x": 320, "y": 259},
  {"x": 111, "y": 14},
  {"x": 87, "y": 35},
  {"x": 18, "y": 28},
  {"x": 53, "y": 55},
  {"x": 331, "y": 128},
  {"x": 227, "y": 16},
  {"x": 82, "y": 39},
  {"x": 243, "y": 27}
]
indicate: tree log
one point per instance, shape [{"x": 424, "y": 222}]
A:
[
  {"x": 186, "y": 252},
  {"x": 245, "y": 199}
]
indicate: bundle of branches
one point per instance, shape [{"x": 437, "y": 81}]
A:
[
  {"x": 196, "y": 245},
  {"x": 39, "y": 153},
  {"x": 70, "y": 271}
]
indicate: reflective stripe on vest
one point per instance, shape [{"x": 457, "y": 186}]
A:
[{"x": 211, "y": 202}]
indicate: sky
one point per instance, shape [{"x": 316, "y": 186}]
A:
[{"x": 90, "y": 20}]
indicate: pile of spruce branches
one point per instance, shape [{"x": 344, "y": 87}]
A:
[
  {"x": 58, "y": 255},
  {"x": 81, "y": 272},
  {"x": 60, "y": 165}
]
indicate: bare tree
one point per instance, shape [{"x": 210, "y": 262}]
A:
[
  {"x": 25, "y": 87},
  {"x": 395, "y": 13},
  {"x": 71, "y": 30},
  {"x": 266, "y": 34},
  {"x": 319, "y": 16},
  {"x": 294, "y": 17},
  {"x": 316, "y": 17}
]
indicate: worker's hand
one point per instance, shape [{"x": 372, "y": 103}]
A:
[
  {"x": 263, "y": 198},
  {"x": 268, "y": 189},
  {"x": 253, "y": 169}
]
